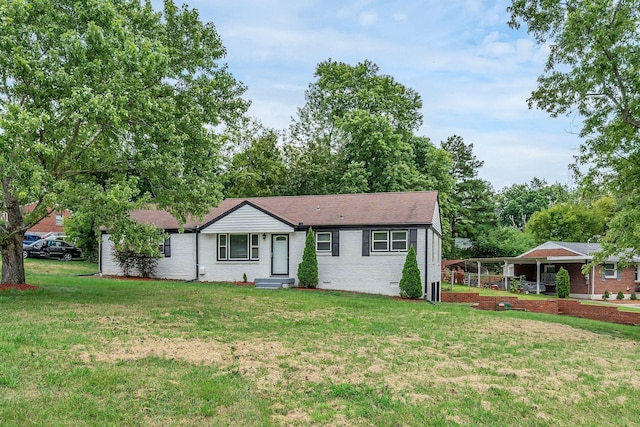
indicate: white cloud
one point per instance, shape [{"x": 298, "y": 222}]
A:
[
  {"x": 367, "y": 19},
  {"x": 473, "y": 72}
]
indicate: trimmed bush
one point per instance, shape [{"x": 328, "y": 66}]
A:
[
  {"x": 308, "y": 268},
  {"x": 620, "y": 296},
  {"x": 410, "y": 284},
  {"x": 606, "y": 295},
  {"x": 633, "y": 296},
  {"x": 563, "y": 285}
]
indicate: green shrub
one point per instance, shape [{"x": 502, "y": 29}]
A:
[
  {"x": 515, "y": 285},
  {"x": 633, "y": 296},
  {"x": 606, "y": 295},
  {"x": 410, "y": 284},
  {"x": 620, "y": 295},
  {"x": 308, "y": 268},
  {"x": 563, "y": 285}
]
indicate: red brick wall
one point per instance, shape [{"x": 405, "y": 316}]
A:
[
  {"x": 47, "y": 224},
  {"x": 551, "y": 306}
]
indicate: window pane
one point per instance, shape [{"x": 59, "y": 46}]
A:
[
  {"x": 223, "y": 239},
  {"x": 400, "y": 245},
  {"x": 398, "y": 235},
  {"x": 238, "y": 246},
  {"x": 323, "y": 246},
  {"x": 223, "y": 252},
  {"x": 323, "y": 237},
  {"x": 379, "y": 235},
  {"x": 254, "y": 240},
  {"x": 380, "y": 246},
  {"x": 255, "y": 253}
]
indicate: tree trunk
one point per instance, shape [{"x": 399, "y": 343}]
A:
[{"x": 12, "y": 261}]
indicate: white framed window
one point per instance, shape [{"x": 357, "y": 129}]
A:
[
  {"x": 399, "y": 240},
  {"x": 59, "y": 219},
  {"x": 390, "y": 241},
  {"x": 255, "y": 247},
  {"x": 323, "y": 241},
  {"x": 549, "y": 268},
  {"x": 610, "y": 270},
  {"x": 380, "y": 241},
  {"x": 238, "y": 247}
]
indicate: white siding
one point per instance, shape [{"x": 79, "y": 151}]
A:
[
  {"x": 436, "y": 222},
  {"x": 179, "y": 266},
  {"x": 378, "y": 273},
  {"x": 434, "y": 262},
  {"x": 220, "y": 271},
  {"x": 247, "y": 219}
]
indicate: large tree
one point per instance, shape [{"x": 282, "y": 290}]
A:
[
  {"x": 517, "y": 203},
  {"x": 592, "y": 70},
  {"x": 472, "y": 206},
  {"x": 352, "y": 135},
  {"x": 103, "y": 98}
]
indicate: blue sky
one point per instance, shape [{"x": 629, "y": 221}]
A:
[{"x": 473, "y": 72}]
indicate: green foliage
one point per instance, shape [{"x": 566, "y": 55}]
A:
[
  {"x": 471, "y": 211},
  {"x": 136, "y": 246},
  {"x": 633, "y": 296},
  {"x": 244, "y": 277},
  {"x": 606, "y": 295},
  {"x": 563, "y": 286},
  {"x": 353, "y": 134},
  {"x": 515, "y": 285},
  {"x": 410, "y": 283},
  {"x": 592, "y": 71},
  {"x": 99, "y": 98},
  {"x": 84, "y": 231},
  {"x": 502, "y": 241},
  {"x": 308, "y": 268},
  {"x": 571, "y": 222},
  {"x": 258, "y": 168},
  {"x": 620, "y": 296},
  {"x": 516, "y": 204}
]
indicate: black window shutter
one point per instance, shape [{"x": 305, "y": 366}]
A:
[
  {"x": 335, "y": 243},
  {"x": 366, "y": 234},
  {"x": 167, "y": 247},
  {"x": 413, "y": 238}
]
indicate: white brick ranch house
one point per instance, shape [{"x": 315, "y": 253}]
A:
[{"x": 361, "y": 241}]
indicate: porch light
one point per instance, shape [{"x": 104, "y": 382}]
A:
[{"x": 264, "y": 236}]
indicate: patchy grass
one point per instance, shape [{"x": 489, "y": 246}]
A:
[{"x": 91, "y": 351}]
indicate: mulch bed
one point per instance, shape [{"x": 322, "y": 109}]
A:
[{"x": 21, "y": 287}]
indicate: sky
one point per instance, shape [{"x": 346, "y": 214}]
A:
[{"x": 473, "y": 72}]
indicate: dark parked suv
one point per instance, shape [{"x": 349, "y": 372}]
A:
[{"x": 51, "y": 249}]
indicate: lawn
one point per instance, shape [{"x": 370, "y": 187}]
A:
[{"x": 93, "y": 351}]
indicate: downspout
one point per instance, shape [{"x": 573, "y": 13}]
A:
[
  {"x": 100, "y": 255},
  {"x": 593, "y": 282},
  {"x": 426, "y": 263},
  {"x": 538, "y": 277},
  {"x": 197, "y": 228}
]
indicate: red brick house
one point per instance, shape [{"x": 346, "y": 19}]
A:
[
  {"x": 51, "y": 225},
  {"x": 541, "y": 264}
]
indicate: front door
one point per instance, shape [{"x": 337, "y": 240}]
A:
[{"x": 279, "y": 254}]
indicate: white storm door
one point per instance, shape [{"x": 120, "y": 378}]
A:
[{"x": 279, "y": 254}]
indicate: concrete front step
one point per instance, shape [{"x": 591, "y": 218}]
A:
[{"x": 274, "y": 282}]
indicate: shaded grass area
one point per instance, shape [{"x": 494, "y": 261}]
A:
[{"x": 92, "y": 351}]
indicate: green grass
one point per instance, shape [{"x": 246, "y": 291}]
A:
[{"x": 92, "y": 351}]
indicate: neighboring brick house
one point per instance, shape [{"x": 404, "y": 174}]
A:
[
  {"x": 53, "y": 224},
  {"x": 543, "y": 262}
]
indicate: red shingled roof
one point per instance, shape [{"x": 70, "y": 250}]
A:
[{"x": 329, "y": 210}]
